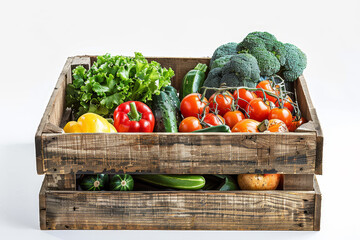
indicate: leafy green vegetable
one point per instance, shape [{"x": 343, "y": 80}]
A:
[{"x": 113, "y": 80}]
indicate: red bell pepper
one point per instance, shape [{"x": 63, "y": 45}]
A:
[{"x": 133, "y": 116}]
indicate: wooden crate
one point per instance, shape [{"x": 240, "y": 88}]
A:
[
  {"x": 177, "y": 210},
  {"x": 180, "y": 153}
]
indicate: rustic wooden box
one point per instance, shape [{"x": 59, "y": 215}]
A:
[
  {"x": 180, "y": 210},
  {"x": 180, "y": 153},
  {"x": 62, "y": 156}
]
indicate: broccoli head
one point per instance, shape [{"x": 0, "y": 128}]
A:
[
  {"x": 295, "y": 63},
  {"x": 266, "y": 49},
  {"x": 245, "y": 67},
  {"x": 223, "y": 50},
  {"x": 221, "y": 61}
]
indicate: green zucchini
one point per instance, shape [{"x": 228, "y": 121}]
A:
[
  {"x": 121, "y": 182},
  {"x": 164, "y": 113},
  {"x": 175, "y": 101},
  {"x": 184, "y": 182},
  {"x": 97, "y": 182},
  {"x": 193, "y": 80},
  {"x": 218, "y": 128}
]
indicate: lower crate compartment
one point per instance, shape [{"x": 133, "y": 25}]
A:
[{"x": 181, "y": 210}]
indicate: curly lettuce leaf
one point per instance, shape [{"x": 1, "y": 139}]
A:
[{"x": 113, "y": 80}]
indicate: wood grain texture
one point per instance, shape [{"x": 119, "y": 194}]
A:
[
  {"x": 52, "y": 112},
  {"x": 60, "y": 181},
  {"x": 182, "y": 153},
  {"x": 309, "y": 112},
  {"x": 42, "y": 205},
  {"x": 317, "y": 214},
  {"x": 298, "y": 182},
  {"x": 236, "y": 210}
]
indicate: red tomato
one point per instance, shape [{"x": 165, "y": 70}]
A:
[
  {"x": 276, "y": 125},
  {"x": 281, "y": 113},
  {"x": 233, "y": 117},
  {"x": 190, "y": 124},
  {"x": 246, "y": 125},
  {"x": 214, "y": 120},
  {"x": 243, "y": 97},
  {"x": 192, "y": 106},
  {"x": 266, "y": 85},
  {"x": 295, "y": 124},
  {"x": 287, "y": 103},
  {"x": 258, "y": 110},
  {"x": 221, "y": 102}
]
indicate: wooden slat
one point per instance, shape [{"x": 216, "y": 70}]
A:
[
  {"x": 298, "y": 182},
  {"x": 52, "y": 111},
  {"x": 309, "y": 112},
  {"x": 42, "y": 205},
  {"x": 182, "y": 153},
  {"x": 317, "y": 214},
  {"x": 61, "y": 181},
  {"x": 240, "y": 210}
]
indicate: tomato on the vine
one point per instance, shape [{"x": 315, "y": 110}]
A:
[
  {"x": 287, "y": 103},
  {"x": 266, "y": 85},
  {"x": 192, "y": 106},
  {"x": 258, "y": 109},
  {"x": 221, "y": 102},
  {"x": 243, "y": 97},
  {"x": 281, "y": 113},
  {"x": 190, "y": 124},
  {"x": 233, "y": 117},
  {"x": 296, "y": 123},
  {"x": 276, "y": 125},
  {"x": 213, "y": 119},
  {"x": 246, "y": 125}
]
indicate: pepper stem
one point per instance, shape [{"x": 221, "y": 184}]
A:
[{"x": 134, "y": 115}]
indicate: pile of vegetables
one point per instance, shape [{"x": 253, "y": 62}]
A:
[
  {"x": 158, "y": 182},
  {"x": 113, "y": 80},
  {"x": 248, "y": 89}
]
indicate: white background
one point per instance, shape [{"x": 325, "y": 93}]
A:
[{"x": 37, "y": 36}]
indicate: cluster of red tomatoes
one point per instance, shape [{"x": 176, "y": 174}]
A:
[{"x": 243, "y": 110}]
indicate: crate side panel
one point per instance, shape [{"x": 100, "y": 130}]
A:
[
  {"x": 273, "y": 210},
  {"x": 180, "y": 154}
]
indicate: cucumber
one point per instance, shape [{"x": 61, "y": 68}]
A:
[
  {"x": 164, "y": 113},
  {"x": 97, "y": 182},
  {"x": 218, "y": 128},
  {"x": 193, "y": 80},
  {"x": 184, "y": 182},
  {"x": 175, "y": 101},
  {"x": 121, "y": 182}
]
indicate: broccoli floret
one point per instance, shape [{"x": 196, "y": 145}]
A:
[
  {"x": 267, "y": 61},
  {"x": 266, "y": 49},
  {"x": 245, "y": 67},
  {"x": 295, "y": 62},
  {"x": 221, "y": 61},
  {"x": 223, "y": 50},
  {"x": 212, "y": 80}
]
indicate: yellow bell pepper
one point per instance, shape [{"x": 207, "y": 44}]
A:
[{"x": 90, "y": 123}]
